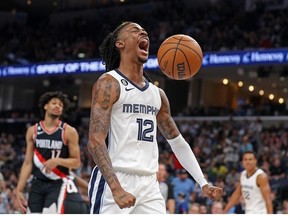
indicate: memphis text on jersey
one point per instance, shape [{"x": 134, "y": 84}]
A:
[{"x": 140, "y": 108}]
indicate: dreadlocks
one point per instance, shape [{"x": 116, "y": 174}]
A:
[
  {"x": 45, "y": 98},
  {"x": 108, "y": 50}
]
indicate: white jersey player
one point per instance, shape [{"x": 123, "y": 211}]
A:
[
  {"x": 254, "y": 188},
  {"x": 126, "y": 111},
  {"x": 132, "y": 144},
  {"x": 134, "y": 115},
  {"x": 251, "y": 193}
]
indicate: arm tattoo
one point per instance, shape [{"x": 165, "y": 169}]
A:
[
  {"x": 102, "y": 159},
  {"x": 166, "y": 123},
  {"x": 102, "y": 102},
  {"x": 167, "y": 128}
]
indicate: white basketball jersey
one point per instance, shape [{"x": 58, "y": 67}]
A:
[
  {"x": 132, "y": 143},
  {"x": 254, "y": 201}
]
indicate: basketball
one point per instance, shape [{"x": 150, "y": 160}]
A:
[{"x": 179, "y": 57}]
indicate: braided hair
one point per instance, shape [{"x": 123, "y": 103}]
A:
[
  {"x": 108, "y": 50},
  {"x": 110, "y": 54}
]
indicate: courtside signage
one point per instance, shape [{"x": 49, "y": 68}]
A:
[{"x": 210, "y": 59}]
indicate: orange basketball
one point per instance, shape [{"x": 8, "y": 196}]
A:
[{"x": 180, "y": 57}]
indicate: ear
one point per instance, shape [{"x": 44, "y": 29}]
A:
[
  {"x": 119, "y": 44},
  {"x": 45, "y": 107}
]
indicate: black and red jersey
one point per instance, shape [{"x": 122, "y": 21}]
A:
[{"x": 49, "y": 144}]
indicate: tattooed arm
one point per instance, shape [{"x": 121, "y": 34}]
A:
[
  {"x": 182, "y": 149},
  {"x": 165, "y": 121},
  {"x": 105, "y": 93}
]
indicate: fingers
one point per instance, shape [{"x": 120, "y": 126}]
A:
[
  {"x": 46, "y": 169},
  {"x": 217, "y": 193},
  {"x": 127, "y": 205},
  {"x": 23, "y": 205},
  {"x": 126, "y": 201},
  {"x": 23, "y": 209},
  {"x": 214, "y": 193}
]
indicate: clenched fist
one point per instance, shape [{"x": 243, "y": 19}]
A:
[{"x": 214, "y": 193}]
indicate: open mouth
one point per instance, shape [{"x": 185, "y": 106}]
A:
[{"x": 144, "y": 44}]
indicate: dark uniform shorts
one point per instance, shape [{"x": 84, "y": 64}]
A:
[{"x": 50, "y": 196}]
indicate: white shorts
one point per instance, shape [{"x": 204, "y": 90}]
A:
[{"x": 145, "y": 188}]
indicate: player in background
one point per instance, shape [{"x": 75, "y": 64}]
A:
[
  {"x": 127, "y": 109},
  {"x": 74, "y": 203},
  {"x": 52, "y": 151},
  {"x": 253, "y": 186}
]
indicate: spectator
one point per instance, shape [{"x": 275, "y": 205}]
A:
[
  {"x": 194, "y": 208},
  {"x": 217, "y": 207},
  {"x": 245, "y": 145},
  {"x": 166, "y": 188},
  {"x": 284, "y": 209},
  {"x": 231, "y": 179},
  {"x": 277, "y": 173},
  {"x": 203, "y": 209},
  {"x": 277, "y": 169},
  {"x": 182, "y": 206},
  {"x": 183, "y": 188},
  {"x": 4, "y": 199}
]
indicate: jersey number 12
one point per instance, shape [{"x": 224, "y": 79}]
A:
[{"x": 145, "y": 128}]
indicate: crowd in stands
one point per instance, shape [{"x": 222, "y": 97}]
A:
[
  {"x": 224, "y": 25},
  {"x": 247, "y": 109},
  {"x": 218, "y": 147}
]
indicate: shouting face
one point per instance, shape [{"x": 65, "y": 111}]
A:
[{"x": 133, "y": 41}]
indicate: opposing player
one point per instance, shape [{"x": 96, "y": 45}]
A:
[
  {"x": 74, "y": 203},
  {"x": 126, "y": 109},
  {"x": 52, "y": 150},
  {"x": 253, "y": 187}
]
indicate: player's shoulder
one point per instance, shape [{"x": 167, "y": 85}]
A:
[
  {"x": 161, "y": 91},
  {"x": 30, "y": 129},
  {"x": 69, "y": 128},
  {"x": 242, "y": 174},
  {"x": 261, "y": 173},
  {"x": 111, "y": 74},
  {"x": 107, "y": 78},
  {"x": 262, "y": 179}
]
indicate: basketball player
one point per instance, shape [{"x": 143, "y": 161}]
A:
[
  {"x": 74, "y": 204},
  {"x": 52, "y": 150},
  {"x": 126, "y": 109},
  {"x": 253, "y": 187}
]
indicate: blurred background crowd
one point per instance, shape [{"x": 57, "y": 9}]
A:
[
  {"x": 224, "y": 25},
  {"x": 218, "y": 145}
]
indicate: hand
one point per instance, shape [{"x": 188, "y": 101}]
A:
[
  {"x": 124, "y": 199},
  {"x": 212, "y": 192},
  {"x": 49, "y": 165},
  {"x": 21, "y": 201}
]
